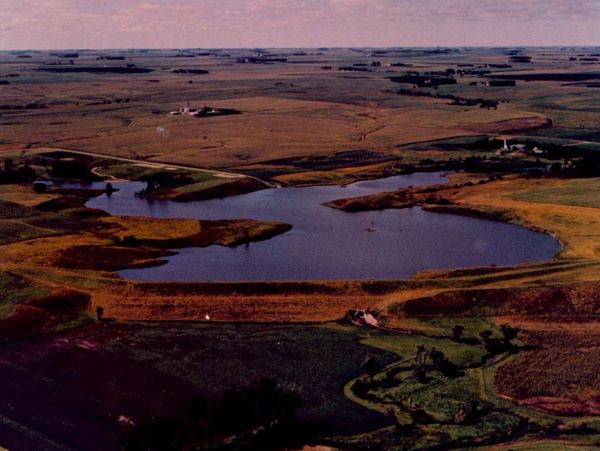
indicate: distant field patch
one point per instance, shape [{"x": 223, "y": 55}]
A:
[{"x": 579, "y": 193}]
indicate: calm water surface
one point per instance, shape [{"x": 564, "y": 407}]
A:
[{"x": 330, "y": 244}]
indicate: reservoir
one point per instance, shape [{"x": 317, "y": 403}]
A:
[{"x": 325, "y": 243}]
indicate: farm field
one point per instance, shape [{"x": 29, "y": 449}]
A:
[
  {"x": 281, "y": 105},
  {"x": 499, "y": 357},
  {"x": 581, "y": 193},
  {"x": 161, "y": 366}
]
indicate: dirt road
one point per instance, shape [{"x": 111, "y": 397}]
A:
[{"x": 154, "y": 164}]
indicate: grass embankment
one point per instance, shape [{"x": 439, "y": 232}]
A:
[
  {"x": 184, "y": 185},
  {"x": 29, "y": 307},
  {"x": 45, "y": 244},
  {"x": 140, "y": 242}
]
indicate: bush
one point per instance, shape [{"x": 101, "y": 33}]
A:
[
  {"x": 39, "y": 187},
  {"x": 258, "y": 417},
  {"x": 359, "y": 388},
  {"x": 63, "y": 300},
  {"x": 127, "y": 241}
]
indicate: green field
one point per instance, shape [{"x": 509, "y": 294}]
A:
[
  {"x": 579, "y": 193},
  {"x": 317, "y": 361}
]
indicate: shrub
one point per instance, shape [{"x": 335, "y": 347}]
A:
[
  {"x": 39, "y": 187},
  {"x": 63, "y": 300}
]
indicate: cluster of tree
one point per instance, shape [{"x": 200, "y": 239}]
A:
[
  {"x": 559, "y": 151},
  {"x": 483, "y": 143},
  {"x": 448, "y": 71},
  {"x": 520, "y": 59},
  {"x": 28, "y": 106},
  {"x": 439, "y": 51},
  {"x": 577, "y": 161},
  {"x": 501, "y": 83},
  {"x": 65, "y": 55},
  {"x": 455, "y": 100},
  {"x": 424, "y": 361},
  {"x": 190, "y": 54},
  {"x": 40, "y": 187},
  {"x": 255, "y": 418},
  {"x": 163, "y": 180},
  {"x": 432, "y": 360},
  {"x": 190, "y": 71},
  {"x": 353, "y": 69},
  {"x": 425, "y": 80},
  {"x": 493, "y": 345},
  {"x": 16, "y": 173},
  {"x": 475, "y": 163},
  {"x": 584, "y": 167},
  {"x": 129, "y": 69},
  {"x": 467, "y": 412},
  {"x": 497, "y": 345},
  {"x": 477, "y": 72},
  {"x": 261, "y": 60},
  {"x": 58, "y": 63},
  {"x": 109, "y": 102},
  {"x": 437, "y": 200},
  {"x": 72, "y": 170},
  {"x": 127, "y": 241},
  {"x": 208, "y": 111}
]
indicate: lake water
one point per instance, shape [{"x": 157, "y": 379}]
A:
[{"x": 331, "y": 244}]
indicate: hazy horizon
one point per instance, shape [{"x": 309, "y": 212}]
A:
[
  {"x": 120, "y": 24},
  {"x": 388, "y": 47}
]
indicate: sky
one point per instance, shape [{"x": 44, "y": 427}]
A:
[{"x": 76, "y": 24}]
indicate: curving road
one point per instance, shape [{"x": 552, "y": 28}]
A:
[{"x": 155, "y": 164}]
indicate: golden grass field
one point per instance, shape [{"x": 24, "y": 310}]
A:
[
  {"x": 288, "y": 110},
  {"x": 577, "y": 226},
  {"x": 269, "y": 128}
]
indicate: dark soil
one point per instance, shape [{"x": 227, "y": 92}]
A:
[{"x": 67, "y": 390}]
